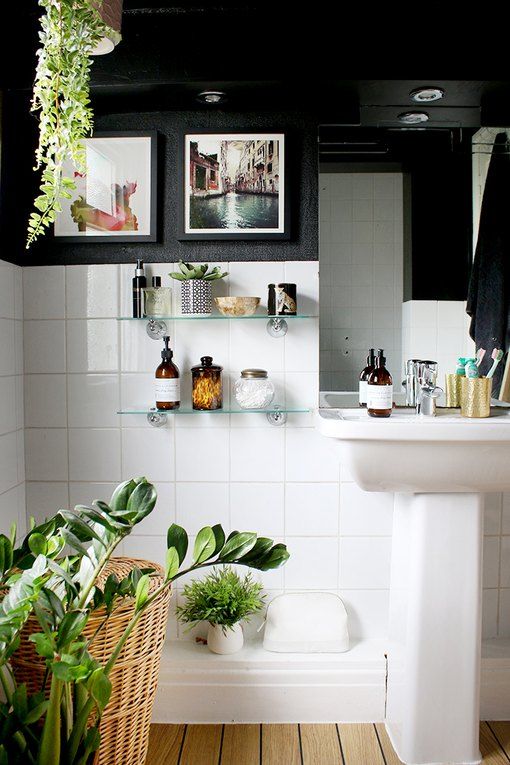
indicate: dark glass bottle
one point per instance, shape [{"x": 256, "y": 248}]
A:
[
  {"x": 380, "y": 389},
  {"x": 139, "y": 284},
  {"x": 363, "y": 378},
  {"x": 207, "y": 393},
  {"x": 168, "y": 393}
]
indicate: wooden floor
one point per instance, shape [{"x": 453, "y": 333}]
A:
[{"x": 342, "y": 744}]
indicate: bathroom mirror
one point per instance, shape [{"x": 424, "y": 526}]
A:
[{"x": 395, "y": 213}]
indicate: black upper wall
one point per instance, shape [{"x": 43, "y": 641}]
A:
[{"x": 18, "y": 189}]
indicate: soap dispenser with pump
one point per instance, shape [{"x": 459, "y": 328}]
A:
[
  {"x": 363, "y": 378},
  {"x": 167, "y": 387},
  {"x": 380, "y": 389}
]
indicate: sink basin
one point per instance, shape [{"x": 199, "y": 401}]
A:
[
  {"x": 438, "y": 468},
  {"x": 409, "y": 453}
]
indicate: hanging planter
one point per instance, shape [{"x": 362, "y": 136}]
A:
[
  {"x": 111, "y": 14},
  {"x": 72, "y": 31}
]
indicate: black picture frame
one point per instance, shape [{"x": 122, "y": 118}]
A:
[
  {"x": 152, "y": 236},
  {"x": 244, "y": 234}
]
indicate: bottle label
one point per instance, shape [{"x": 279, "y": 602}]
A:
[
  {"x": 168, "y": 390},
  {"x": 379, "y": 396},
  {"x": 363, "y": 392}
]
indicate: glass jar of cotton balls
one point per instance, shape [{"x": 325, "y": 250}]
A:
[{"x": 253, "y": 390}]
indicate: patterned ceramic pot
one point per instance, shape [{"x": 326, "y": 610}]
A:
[{"x": 196, "y": 296}]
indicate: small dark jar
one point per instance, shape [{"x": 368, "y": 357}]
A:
[{"x": 207, "y": 388}]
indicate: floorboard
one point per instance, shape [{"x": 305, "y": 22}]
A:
[
  {"x": 280, "y": 744},
  {"x": 241, "y": 745},
  {"x": 306, "y": 744},
  {"x": 385, "y": 744},
  {"x": 491, "y": 751},
  {"x": 202, "y": 744},
  {"x": 165, "y": 744},
  {"x": 360, "y": 744},
  {"x": 320, "y": 745},
  {"x": 501, "y": 731}
]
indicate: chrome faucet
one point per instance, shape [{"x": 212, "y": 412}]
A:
[{"x": 420, "y": 386}]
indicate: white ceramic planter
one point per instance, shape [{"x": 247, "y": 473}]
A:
[{"x": 225, "y": 640}]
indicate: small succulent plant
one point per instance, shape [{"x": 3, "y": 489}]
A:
[{"x": 190, "y": 271}]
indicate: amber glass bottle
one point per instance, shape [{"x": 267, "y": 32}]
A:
[
  {"x": 363, "y": 378},
  {"x": 380, "y": 389},
  {"x": 168, "y": 393}
]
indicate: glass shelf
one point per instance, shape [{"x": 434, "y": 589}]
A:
[
  {"x": 157, "y": 325},
  {"x": 216, "y": 317},
  {"x": 276, "y": 415}
]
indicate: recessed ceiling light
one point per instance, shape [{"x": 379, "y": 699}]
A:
[
  {"x": 413, "y": 118},
  {"x": 211, "y": 97},
  {"x": 427, "y": 94}
]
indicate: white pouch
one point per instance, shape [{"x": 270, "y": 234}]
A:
[{"x": 306, "y": 622}]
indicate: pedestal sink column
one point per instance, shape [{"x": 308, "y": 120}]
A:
[{"x": 435, "y": 628}]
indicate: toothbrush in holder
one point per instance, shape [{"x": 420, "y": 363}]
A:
[
  {"x": 479, "y": 356},
  {"x": 497, "y": 355}
]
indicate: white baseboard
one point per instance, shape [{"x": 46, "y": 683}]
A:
[{"x": 256, "y": 686}]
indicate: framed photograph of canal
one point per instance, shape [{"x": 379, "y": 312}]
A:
[
  {"x": 234, "y": 186},
  {"x": 115, "y": 198}
]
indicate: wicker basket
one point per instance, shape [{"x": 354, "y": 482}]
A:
[{"x": 126, "y": 719}]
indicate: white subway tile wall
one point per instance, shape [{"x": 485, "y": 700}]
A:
[
  {"x": 238, "y": 470},
  {"x": 361, "y": 273},
  {"x": 12, "y": 457}
]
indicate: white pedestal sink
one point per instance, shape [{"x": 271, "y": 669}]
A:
[{"x": 438, "y": 467}]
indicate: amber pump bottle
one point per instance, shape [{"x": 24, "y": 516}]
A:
[
  {"x": 167, "y": 388},
  {"x": 380, "y": 389},
  {"x": 363, "y": 378}
]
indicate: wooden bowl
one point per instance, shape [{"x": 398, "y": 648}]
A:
[{"x": 237, "y": 306}]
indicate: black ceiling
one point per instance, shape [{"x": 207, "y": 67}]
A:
[{"x": 268, "y": 55}]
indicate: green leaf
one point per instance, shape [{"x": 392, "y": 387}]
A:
[
  {"x": 120, "y": 497},
  {"x": 177, "y": 537},
  {"x": 100, "y": 688},
  {"x": 237, "y": 546},
  {"x": 142, "y": 591},
  {"x": 219, "y": 536},
  {"x": 142, "y": 501},
  {"x": 261, "y": 547},
  {"x": 4, "y": 758},
  {"x": 44, "y": 645},
  {"x": 276, "y": 557},
  {"x": 71, "y": 627},
  {"x": 79, "y": 527},
  {"x": 6, "y": 554},
  {"x": 38, "y": 544},
  {"x": 19, "y": 701},
  {"x": 36, "y": 713},
  {"x": 205, "y": 544},
  {"x": 172, "y": 563},
  {"x": 74, "y": 543}
]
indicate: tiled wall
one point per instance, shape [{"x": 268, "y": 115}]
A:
[
  {"x": 81, "y": 364},
  {"x": 12, "y": 468},
  {"x": 361, "y": 273}
]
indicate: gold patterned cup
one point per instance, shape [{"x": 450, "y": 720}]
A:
[
  {"x": 475, "y": 398},
  {"x": 452, "y": 388}
]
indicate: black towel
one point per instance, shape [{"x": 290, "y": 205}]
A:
[{"x": 489, "y": 288}]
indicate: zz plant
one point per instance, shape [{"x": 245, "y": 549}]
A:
[
  {"x": 70, "y": 30},
  {"x": 53, "y": 576}
]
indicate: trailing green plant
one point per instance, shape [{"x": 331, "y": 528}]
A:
[
  {"x": 189, "y": 271},
  {"x": 70, "y": 30},
  {"x": 222, "y": 597},
  {"x": 53, "y": 576}
]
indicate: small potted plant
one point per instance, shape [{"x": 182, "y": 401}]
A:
[
  {"x": 196, "y": 292},
  {"x": 223, "y": 599}
]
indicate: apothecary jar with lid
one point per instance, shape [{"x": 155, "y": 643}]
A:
[{"x": 253, "y": 390}]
